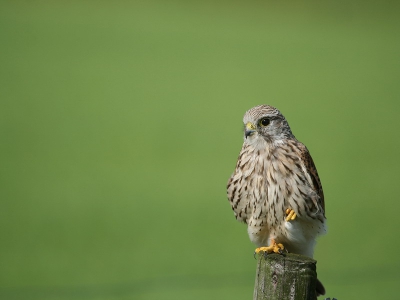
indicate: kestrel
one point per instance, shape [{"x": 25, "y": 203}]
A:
[{"x": 275, "y": 188}]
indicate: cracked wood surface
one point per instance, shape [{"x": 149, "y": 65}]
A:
[{"x": 288, "y": 276}]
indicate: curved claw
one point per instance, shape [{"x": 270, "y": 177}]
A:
[
  {"x": 291, "y": 215},
  {"x": 273, "y": 248}
]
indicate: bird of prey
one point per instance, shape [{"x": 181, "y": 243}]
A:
[{"x": 275, "y": 188}]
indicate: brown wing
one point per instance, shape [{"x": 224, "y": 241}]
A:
[
  {"x": 312, "y": 172},
  {"x": 238, "y": 187}
]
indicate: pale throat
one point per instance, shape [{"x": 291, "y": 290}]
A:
[{"x": 259, "y": 143}]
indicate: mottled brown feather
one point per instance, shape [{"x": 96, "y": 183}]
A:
[{"x": 312, "y": 171}]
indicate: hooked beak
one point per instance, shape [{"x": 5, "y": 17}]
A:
[{"x": 249, "y": 130}]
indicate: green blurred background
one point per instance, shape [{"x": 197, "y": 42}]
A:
[{"x": 121, "y": 123}]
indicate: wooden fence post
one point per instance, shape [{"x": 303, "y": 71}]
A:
[{"x": 288, "y": 276}]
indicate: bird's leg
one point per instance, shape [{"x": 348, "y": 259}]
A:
[
  {"x": 290, "y": 215},
  {"x": 274, "y": 247}
]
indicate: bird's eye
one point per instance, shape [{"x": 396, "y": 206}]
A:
[{"x": 264, "y": 122}]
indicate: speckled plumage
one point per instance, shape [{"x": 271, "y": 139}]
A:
[{"x": 275, "y": 172}]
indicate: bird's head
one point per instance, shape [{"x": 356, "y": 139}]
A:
[{"x": 265, "y": 123}]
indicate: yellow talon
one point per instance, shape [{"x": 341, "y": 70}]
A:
[
  {"x": 291, "y": 215},
  {"x": 273, "y": 248}
]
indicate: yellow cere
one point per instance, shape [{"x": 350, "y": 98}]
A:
[{"x": 250, "y": 126}]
